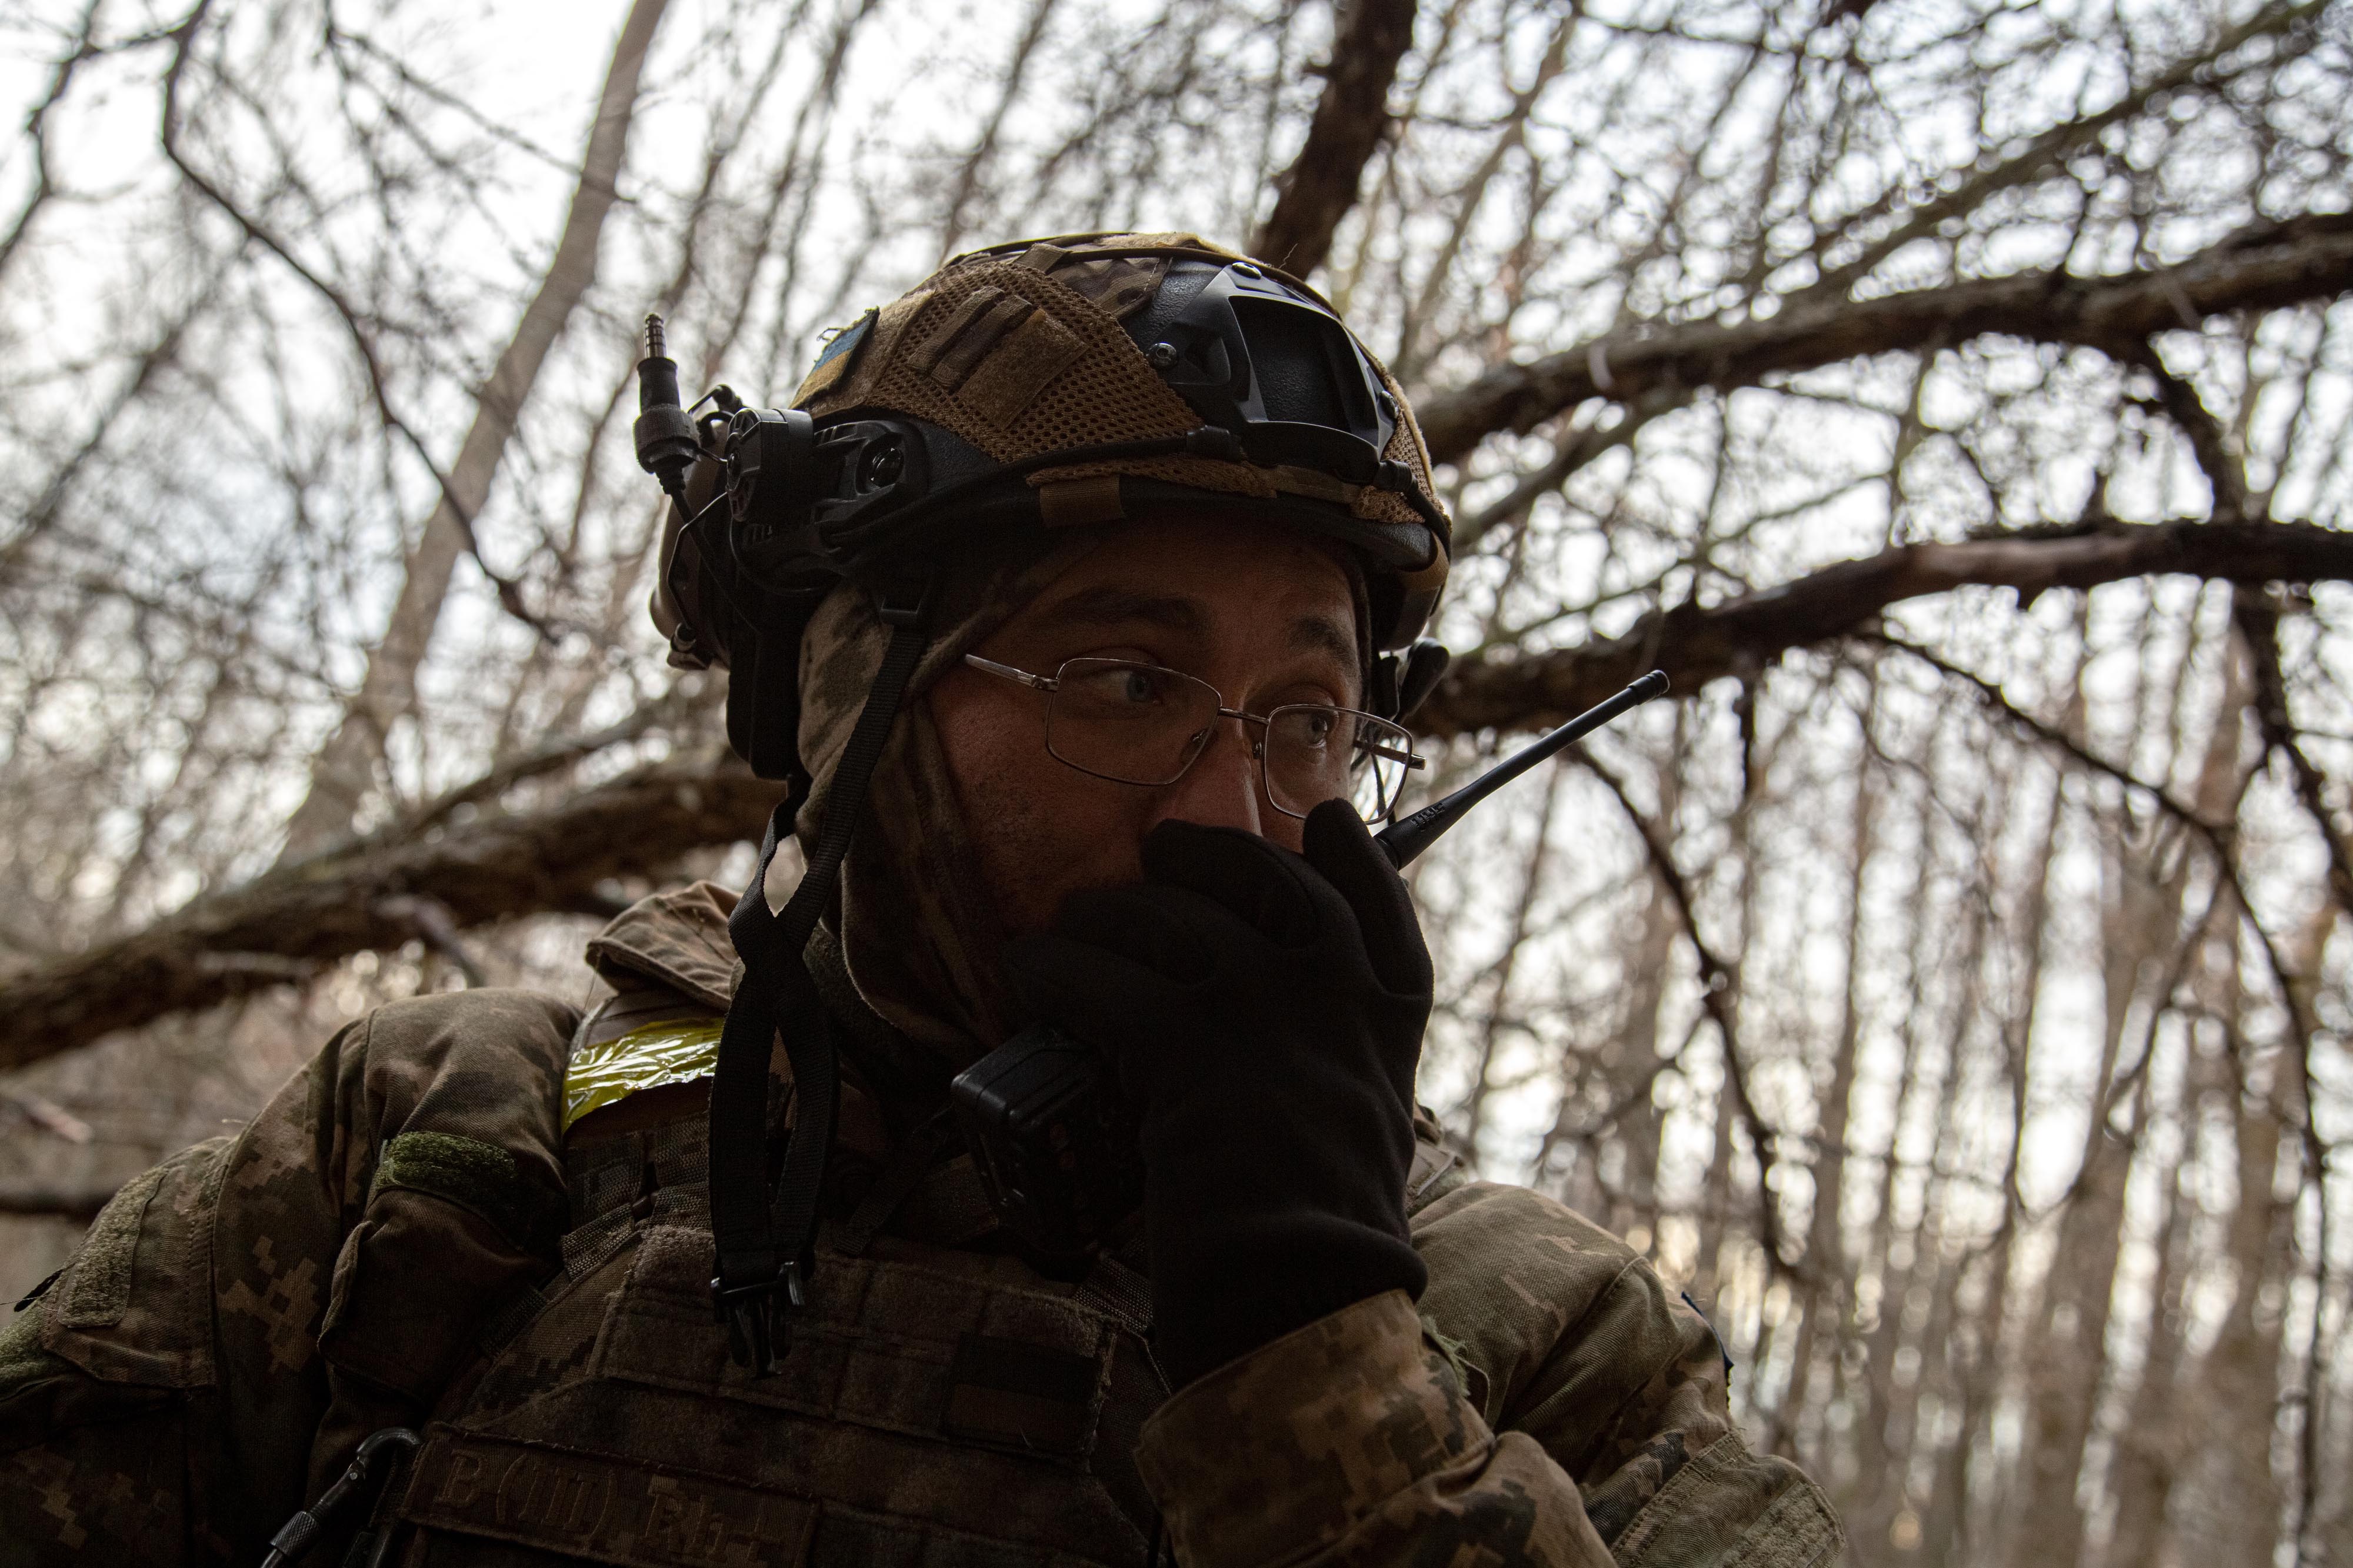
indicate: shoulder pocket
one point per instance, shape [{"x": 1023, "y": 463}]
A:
[{"x": 135, "y": 1305}]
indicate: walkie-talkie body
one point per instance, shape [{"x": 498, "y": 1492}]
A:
[{"x": 1055, "y": 1144}]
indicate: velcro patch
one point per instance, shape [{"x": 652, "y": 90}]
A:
[
  {"x": 608, "y": 1510},
  {"x": 1011, "y": 377},
  {"x": 834, "y": 362},
  {"x": 970, "y": 331},
  {"x": 98, "y": 1289},
  {"x": 478, "y": 1177}
]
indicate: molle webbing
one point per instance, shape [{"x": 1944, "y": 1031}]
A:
[{"x": 1031, "y": 1396}]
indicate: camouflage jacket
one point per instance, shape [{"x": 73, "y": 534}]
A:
[{"x": 408, "y": 1234}]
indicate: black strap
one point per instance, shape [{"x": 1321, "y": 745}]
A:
[{"x": 764, "y": 1241}]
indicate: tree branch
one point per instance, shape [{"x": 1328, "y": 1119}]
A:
[
  {"x": 2204, "y": 73},
  {"x": 2256, "y": 618},
  {"x": 1572, "y": 451},
  {"x": 2262, "y": 267},
  {"x": 81, "y": 1205},
  {"x": 1696, "y": 644},
  {"x": 2258, "y": 622},
  {"x": 1017, "y": 69},
  {"x": 85, "y": 47},
  {"x": 1715, "y": 983},
  {"x": 1351, "y": 117},
  {"x": 2215, "y": 835},
  {"x": 435, "y": 926},
  {"x": 47, "y": 1115},
  {"x": 341, "y": 771},
  {"x": 455, "y": 505},
  {"x": 350, "y": 899}
]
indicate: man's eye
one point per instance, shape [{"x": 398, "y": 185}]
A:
[{"x": 1118, "y": 686}]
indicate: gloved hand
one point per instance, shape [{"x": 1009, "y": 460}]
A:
[{"x": 1263, "y": 1014}]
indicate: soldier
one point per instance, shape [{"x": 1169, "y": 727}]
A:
[{"x": 1077, "y": 599}]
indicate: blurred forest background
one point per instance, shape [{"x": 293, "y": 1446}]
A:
[{"x": 1948, "y": 988}]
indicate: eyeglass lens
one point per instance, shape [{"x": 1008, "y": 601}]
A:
[{"x": 1141, "y": 724}]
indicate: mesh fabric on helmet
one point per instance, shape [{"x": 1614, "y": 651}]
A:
[
  {"x": 1023, "y": 352},
  {"x": 1000, "y": 354}
]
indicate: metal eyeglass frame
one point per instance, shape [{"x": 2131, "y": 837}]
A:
[{"x": 1047, "y": 685}]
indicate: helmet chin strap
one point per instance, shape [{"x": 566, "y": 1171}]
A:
[{"x": 765, "y": 1240}]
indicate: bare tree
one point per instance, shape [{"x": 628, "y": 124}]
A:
[{"x": 1954, "y": 399}]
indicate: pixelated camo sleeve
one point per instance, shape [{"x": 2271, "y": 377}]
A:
[
  {"x": 239, "y": 1316},
  {"x": 1549, "y": 1403}
]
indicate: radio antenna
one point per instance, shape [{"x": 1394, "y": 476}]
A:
[{"x": 1409, "y": 837}]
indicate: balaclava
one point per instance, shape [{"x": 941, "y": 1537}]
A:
[{"x": 918, "y": 945}]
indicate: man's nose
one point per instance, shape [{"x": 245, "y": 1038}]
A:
[{"x": 1221, "y": 789}]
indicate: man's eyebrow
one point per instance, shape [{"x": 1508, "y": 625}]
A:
[
  {"x": 1321, "y": 634},
  {"x": 1111, "y": 606}
]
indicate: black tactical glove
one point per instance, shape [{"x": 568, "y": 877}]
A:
[{"x": 1263, "y": 1013}]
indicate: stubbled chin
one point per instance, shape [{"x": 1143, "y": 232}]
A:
[
  {"x": 1030, "y": 901},
  {"x": 1034, "y": 857}
]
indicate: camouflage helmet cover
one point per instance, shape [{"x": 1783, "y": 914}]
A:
[{"x": 1037, "y": 347}]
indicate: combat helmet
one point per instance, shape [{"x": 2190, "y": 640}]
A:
[
  {"x": 1056, "y": 382},
  {"x": 1085, "y": 378}
]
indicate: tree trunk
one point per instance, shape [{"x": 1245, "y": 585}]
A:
[
  {"x": 1631, "y": 1067},
  {"x": 2230, "y": 1516},
  {"x": 2069, "y": 1358},
  {"x": 2149, "y": 1449},
  {"x": 1827, "y": 1285},
  {"x": 1947, "y": 1535},
  {"x": 1492, "y": 1033},
  {"x": 2068, "y": 1363},
  {"x": 1889, "y": 1428}
]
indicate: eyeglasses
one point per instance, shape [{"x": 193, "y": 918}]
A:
[{"x": 1140, "y": 724}]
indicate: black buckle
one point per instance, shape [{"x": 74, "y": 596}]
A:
[
  {"x": 904, "y": 600},
  {"x": 759, "y": 1325},
  {"x": 1213, "y": 441}
]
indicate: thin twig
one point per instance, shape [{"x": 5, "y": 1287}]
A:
[{"x": 1716, "y": 986}]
